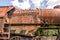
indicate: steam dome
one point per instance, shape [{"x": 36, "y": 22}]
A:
[{"x": 58, "y": 6}]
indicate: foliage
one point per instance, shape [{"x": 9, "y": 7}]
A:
[
  {"x": 50, "y": 32},
  {"x": 47, "y": 32},
  {"x": 38, "y": 33}
]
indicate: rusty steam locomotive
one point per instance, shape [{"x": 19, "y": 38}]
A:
[{"x": 17, "y": 23}]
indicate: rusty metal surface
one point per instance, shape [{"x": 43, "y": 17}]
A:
[
  {"x": 37, "y": 16},
  {"x": 58, "y": 6},
  {"x": 25, "y": 16},
  {"x": 29, "y": 16},
  {"x": 51, "y": 16},
  {"x": 32, "y": 15},
  {"x": 4, "y": 10},
  {"x": 24, "y": 30}
]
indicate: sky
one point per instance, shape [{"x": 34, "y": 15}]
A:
[{"x": 30, "y": 4}]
